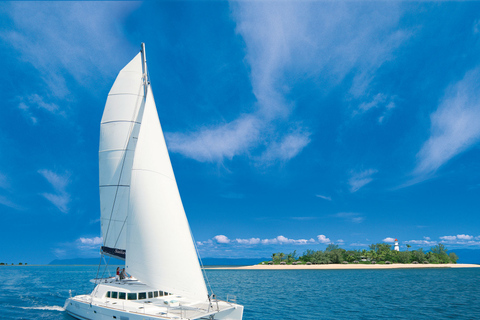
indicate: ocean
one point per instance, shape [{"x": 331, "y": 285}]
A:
[{"x": 39, "y": 292}]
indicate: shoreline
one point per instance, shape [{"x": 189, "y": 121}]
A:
[{"x": 345, "y": 266}]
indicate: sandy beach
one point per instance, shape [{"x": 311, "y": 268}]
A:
[{"x": 345, "y": 266}]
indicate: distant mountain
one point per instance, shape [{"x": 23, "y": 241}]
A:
[
  {"x": 85, "y": 261},
  {"x": 206, "y": 261},
  {"x": 467, "y": 255}
]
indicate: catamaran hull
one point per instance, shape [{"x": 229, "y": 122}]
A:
[{"x": 86, "y": 311}]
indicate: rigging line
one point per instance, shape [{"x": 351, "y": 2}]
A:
[{"x": 201, "y": 262}]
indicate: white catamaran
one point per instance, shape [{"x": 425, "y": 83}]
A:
[{"x": 142, "y": 218}]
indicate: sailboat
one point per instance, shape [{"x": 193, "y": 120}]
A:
[{"x": 142, "y": 218}]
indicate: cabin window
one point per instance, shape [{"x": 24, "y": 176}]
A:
[
  {"x": 155, "y": 294},
  {"x": 132, "y": 296},
  {"x": 121, "y": 295},
  {"x": 114, "y": 295},
  {"x": 160, "y": 293},
  {"x": 150, "y": 295},
  {"x": 108, "y": 294},
  {"x": 142, "y": 295}
]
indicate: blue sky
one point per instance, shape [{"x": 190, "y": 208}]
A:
[{"x": 290, "y": 125}]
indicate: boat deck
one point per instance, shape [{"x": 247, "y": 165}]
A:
[{"x": 163, "y": 307}]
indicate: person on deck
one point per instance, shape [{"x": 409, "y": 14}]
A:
[
  {"x": 123, "y": 275},
  {"x": 117, "y": 276}
]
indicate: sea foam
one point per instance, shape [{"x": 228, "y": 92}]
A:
[{"x": 55, "y": 308}]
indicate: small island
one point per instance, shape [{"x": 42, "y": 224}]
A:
[
  {"x": 379, "y": 256},
  {"x": 379, "y": 253}
]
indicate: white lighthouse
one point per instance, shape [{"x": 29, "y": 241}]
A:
[{"x": 396, "y": 248}]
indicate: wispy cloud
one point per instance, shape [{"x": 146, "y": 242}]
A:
[
  {"x": 76, "y": 40},
  {"x": 286, "y": 42},
  {"x": 285, "y": 240},
  {"x": 250, "y": 241},
  {"x": 215, "y": 144},
  {"x": 29, "y": 104},
  {"x": 61, "y": 198},
  {"x": 304, "y": 218},
  {"x": 324, "y": 197},
  {"x": 421, "y": 242},
  {"x": 360, "y": 179},
  {"x": 461, "y": 240},
  {"x": 85, "y": 247},
  {"x": 286, "y": 149},
  {"x": 454, "y": 125},
  {"x": 381, "y": 101},
  {"x": 389, "y": 240},
  {"x": 4, "y": 181},
  {"x": 8, "y": 203},
  {"x": 7, "y": 200},
  {"x": 350, "y": 216}
]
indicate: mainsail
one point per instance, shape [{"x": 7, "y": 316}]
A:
[{"x": 118, "y": 135}]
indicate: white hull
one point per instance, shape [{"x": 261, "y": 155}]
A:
[{"x": 97, "y": 306}]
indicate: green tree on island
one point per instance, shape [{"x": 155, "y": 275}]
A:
[{"x": 377, "y": 253}]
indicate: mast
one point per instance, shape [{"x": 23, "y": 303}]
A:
[{"x": 146, "y": 81}]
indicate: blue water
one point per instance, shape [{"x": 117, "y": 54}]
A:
[{"x": 33, "y": 292}]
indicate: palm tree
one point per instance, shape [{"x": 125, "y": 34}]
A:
[
  {"x": 281, "y": 254},
  {"x": 408, "y": 246}
]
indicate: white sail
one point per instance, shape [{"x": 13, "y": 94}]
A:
[
  {"x": 118, "y": 134},
  {"x": 160, "y": 249}
]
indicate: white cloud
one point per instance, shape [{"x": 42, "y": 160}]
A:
[
  {"x": 221, "y": 239},
  {"x": 426, "y": 238},
  {"x": 324, "y": 197},
  {"x": 448, "y": 238},
  {"x": 350, "y": 216},
  {"x": 454, "y": 125},
  {"x": 214, "y": 144},
  {"x": 286, "y": 42},
  {"x": 60, "y": 201},
  {"x": 323, "y": 239},
  {"x": 61, "y": 198},
  {"x": 389, "y": 240},
  {"x": 464, "y": 237},
  {"x": 248, "y": 241},
  {"x": 91, "y": 241},
  {"x": 29, "y": 104},
  {"x": 360, "y": 179},
  {"x": 58, "y": 182},
  {"x": 380, "y": 100},
  {"x": 421, "y": 242},
  {"x": 285, "y": 240},
  {"x": 287, "y": 149},
  {"x": 72, "y": 37}
]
